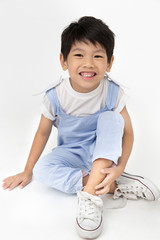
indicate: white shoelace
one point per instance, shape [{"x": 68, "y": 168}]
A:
[{"x": 89, "y": 208}]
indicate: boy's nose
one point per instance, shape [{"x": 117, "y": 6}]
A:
[{"x": 88, "y": 62}]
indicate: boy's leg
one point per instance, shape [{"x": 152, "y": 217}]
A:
[
  {"x": 58, "y": 170},
  {"x": 107, "y": 150}
]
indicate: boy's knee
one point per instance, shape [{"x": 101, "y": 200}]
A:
[
  {"x": 110, "y": 117},
  {"x": 39, "y": 167},
  {"x": 103, "y": 161}
]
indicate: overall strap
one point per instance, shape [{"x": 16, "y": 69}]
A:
[
  {"x": 112, "y": 95},
  {"x": 52, "y": 95}
]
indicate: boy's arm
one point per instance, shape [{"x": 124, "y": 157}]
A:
[
  {"x": 38, "y": 145},
  {"x": 39, "y": 142},
  {"x": 128, "y": 138}
]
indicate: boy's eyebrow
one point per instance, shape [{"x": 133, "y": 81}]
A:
[
  {"x": 77, "y": 49},
  {"x": 96, "y": 51},
  {"x": 100, "y": 50}
]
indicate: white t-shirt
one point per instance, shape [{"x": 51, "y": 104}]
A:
[{"x": 81, "y": 104}]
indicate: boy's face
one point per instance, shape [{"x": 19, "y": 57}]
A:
[{"x": 86, "y": 64}]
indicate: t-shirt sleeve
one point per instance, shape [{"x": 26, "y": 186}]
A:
[
  {"x": 47, "y": 109},
  {"x": 121, "y": 100}
]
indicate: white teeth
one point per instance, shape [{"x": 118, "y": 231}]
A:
[{"x": 87, "y": 74}]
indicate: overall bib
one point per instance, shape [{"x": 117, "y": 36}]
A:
[{"x": 81, "y": 140}]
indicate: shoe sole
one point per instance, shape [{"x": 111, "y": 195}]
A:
[
  {"x": 88, "y": 234},
  {"x": 145, "y": 182}
]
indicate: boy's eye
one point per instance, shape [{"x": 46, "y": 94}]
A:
[
  {"x": 78, "y": 55},
  {"x": 98, "y": 56}
]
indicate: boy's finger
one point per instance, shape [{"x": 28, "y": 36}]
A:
[
  {"x": 107, "y": 181},
  {"x": 14, "y": 184},
  {"x": 105, "y": 170},
  {"x": 103, "y": 184},
  {"x": 5, "y": 179},
  {"x": 24, "y": 183},
  {"x": 7, "y": 183},
  {"x": 103, "y": 191},
  {"x": 5, "y": 186}
]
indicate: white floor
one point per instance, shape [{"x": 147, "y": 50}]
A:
[{"x": 37, "y": 212}]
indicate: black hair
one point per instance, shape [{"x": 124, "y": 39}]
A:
[{"x": 87, "y": 29}]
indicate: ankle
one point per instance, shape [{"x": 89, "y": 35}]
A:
[
  {"x": 89, "y": 190},
  {"x": 85, "y": 180}
]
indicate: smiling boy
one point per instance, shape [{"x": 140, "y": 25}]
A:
[
  {"x": 95, "y": 134},
  {"x": 87, "y": 64}
]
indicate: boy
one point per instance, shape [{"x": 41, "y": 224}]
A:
[{"x": 95, "y": 134}]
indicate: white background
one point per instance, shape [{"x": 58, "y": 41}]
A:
[{"x": 30, "y": 34}]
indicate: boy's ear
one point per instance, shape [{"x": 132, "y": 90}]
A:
[
  {"x": 63, "y": 63},
  {"x": 109, "y": 66}
]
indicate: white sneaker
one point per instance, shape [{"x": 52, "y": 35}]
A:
[
  {"x": 134, "y": 187},
  {"x": 89, "y": 215}
]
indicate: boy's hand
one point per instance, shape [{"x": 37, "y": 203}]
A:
[
  {"x": 21, "y": 180},
  {"x": 112, "y": 174}
]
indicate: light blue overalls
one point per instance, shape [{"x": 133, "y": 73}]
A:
[{"x": 81, "y": 140}]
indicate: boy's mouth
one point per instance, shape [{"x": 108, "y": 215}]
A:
[{"x": 87, "y": 75}]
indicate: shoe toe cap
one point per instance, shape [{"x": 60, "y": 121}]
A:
[{"x": 88, "y": 224}]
